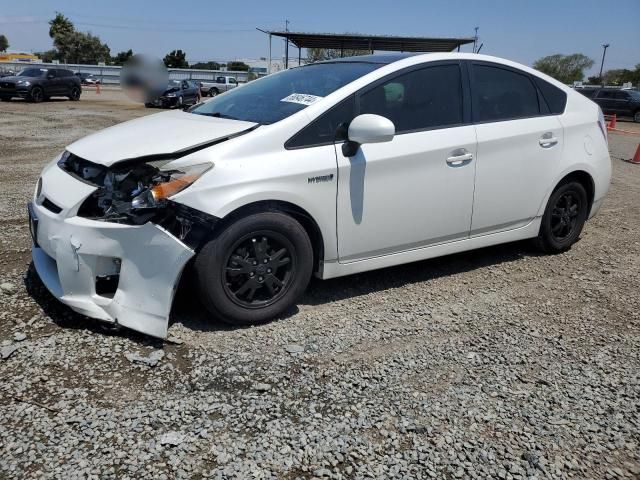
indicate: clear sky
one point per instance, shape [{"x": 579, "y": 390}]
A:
[{"x": 225, "y": 29}]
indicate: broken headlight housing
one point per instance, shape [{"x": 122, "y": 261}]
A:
[{"x": 131, "y": 191}]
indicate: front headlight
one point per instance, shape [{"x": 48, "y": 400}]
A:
[
  {"x": 172, "y": 182},
  {"x": 170, "y": 95},
  {"x": 24, "y": 83}
]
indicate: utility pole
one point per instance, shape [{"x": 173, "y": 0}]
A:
[
  {"x": 286, "y": 45},
  {"x": 604, "y": 52},
  {"x": 475, "y": 40}
]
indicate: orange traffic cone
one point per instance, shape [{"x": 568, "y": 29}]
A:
[
  {"x": 97, "y": 88},
  {"x": 612, "y": 123},
  {"x": 636, "y": 157}
]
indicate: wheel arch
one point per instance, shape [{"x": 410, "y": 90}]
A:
[
  {"x": 585, "y": 179},
  {"x": 300, "y": 214}
]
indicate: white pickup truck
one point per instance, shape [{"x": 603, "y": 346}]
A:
[{"x": 219, "y": 85}]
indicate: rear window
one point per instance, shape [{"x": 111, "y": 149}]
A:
[{"x": 555, "y": 98}]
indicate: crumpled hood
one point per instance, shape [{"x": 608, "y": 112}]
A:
[{"x": 160, "y": 134}]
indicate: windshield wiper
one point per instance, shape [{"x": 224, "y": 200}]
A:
[{"x": 217, "y": 115}]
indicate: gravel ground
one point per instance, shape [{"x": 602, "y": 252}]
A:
[{"x": 498, "y": 363}]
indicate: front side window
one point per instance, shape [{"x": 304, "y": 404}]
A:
[
  {"x": 275, "y": 97},
  {"x": 33, "y": 72},
  {"x": 330, "y": 127},
  {"x": 418, "y": 100},
  {"x": 501, "y": 94}
]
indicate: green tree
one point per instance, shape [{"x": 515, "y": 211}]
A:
[
  {"x": 82, "y": 48},
  {"x": 47, "y": 56},
  {"x": 237, "y": 66},
  {"x": 564, "y": 68},
  {"x": 60, "y": 25},
  {"x": 320, "y": 54},
  {"x": 121, "y": 58},
  {"x": 176, "y": 59},
  {"x": 4, "y": 43},
  {"x": 73, "y": 46},
  {"x": 206, "y": 66}
]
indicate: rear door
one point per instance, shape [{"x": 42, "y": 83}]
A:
[
  {"x": 416, "y": 190},
  {"x": 520, "y": 143},
  {"x": 622, "y": 101}
]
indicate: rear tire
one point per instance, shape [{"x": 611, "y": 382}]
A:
[
  {"x": 36, "y": 95},
  {"x": 564, "y": 218},
  {"x": 255, "y": 269},
  {"x": 636, "y": 117},
  {"x": 5, "y": 99}
]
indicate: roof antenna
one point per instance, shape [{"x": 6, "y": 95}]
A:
[{"x": 480, "y": 47}]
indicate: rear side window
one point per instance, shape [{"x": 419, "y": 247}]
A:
[
  {"x": 418, "y": 100},
  {"x": 621, "y": 95},
  {"x": 586, "y": 92},
  {"x": 607, "y": 94},
  {"x": 330, "y": 127},
  {"x": 501, "y": 94},
  {"x": 555, "y": 98},
  {"x": 64, "y": 73}
]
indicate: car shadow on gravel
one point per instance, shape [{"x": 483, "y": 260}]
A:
[
  {"x": 325, "y": 291},
  {"x": 189, "y": 311}
]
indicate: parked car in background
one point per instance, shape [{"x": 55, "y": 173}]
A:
[
  {"x": 618, "y": 101},
  {"x": 87, "y": 78},
  {"x": 7, "y": 73},
  {"x": 180, "y": 93},
  {"x": 38, "y": 84},
  {"x": 331, "y": 169},
  {"x": 220, "y": 85}
]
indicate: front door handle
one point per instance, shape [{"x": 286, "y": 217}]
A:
[
  {"x": 459, "y": 157},
  {"x": 547, "y": 140}
]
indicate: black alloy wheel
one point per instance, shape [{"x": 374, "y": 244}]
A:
[
  {"x": 75, "y": 94},
  {"x": 36, "y": 95},
  {"x": 564, "y": 218},
  {"x": 259, "y": 270},
  {"x": 255, "y": 268}
]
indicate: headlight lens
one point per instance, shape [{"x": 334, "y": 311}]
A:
[
  {"x": 26, "y": 83},
  {"x": 170, "y": 95},
  {"x": 174, "y": 181}
]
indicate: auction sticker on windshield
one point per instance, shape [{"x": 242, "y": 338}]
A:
[{"x": 301, "y": 98}]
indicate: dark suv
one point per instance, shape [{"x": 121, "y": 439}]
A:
[
  {"x": 38, "y": 84},
  {"x": 625, "y": 103}
]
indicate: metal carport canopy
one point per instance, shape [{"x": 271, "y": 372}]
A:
[{"x": 372, "y": 42}]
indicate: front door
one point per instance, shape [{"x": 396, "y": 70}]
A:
[
  {"x": 416, "y": 190},
  {"x": 519, "y": 148}
]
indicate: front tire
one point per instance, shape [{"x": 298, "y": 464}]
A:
[
  {"x": 636, "y": 117},
  {"x": 255, "y": 269},
  {"x": 213, "y": 92},
  {"x": 563, "y": 219}
]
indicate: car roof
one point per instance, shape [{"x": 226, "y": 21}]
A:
[{"x": 380, "y": 58}]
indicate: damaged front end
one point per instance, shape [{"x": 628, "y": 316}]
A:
[
  {"x": 109, "y": 241},
  {"x": 135, "y": 192}
]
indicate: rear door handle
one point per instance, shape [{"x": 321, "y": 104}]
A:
[
  {"x": 547, "y": 140},
  {"x": 459, "y": 157}
]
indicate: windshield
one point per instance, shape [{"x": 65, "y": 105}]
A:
[
  {"x": 635, "y": 94},
  {"x": 32, "y": 72},
  {"x": 174, "y": 84},
  {"x": 278, "y": 96}
]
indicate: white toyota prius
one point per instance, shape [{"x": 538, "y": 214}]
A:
[{"x": 329, "y": 169}]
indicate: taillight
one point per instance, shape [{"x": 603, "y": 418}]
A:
[{"x": 603, "y": 125}]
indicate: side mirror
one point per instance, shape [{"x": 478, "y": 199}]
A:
[{"x": 367, "y": 128}]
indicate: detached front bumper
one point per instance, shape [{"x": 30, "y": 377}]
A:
[{"x": 125, "y": 274}]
